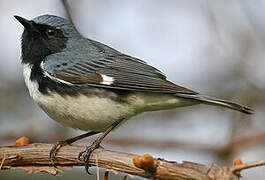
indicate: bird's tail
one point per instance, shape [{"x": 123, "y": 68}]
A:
[{"x": 217, "y": 102}]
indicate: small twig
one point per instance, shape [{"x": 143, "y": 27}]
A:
[
  {"x": 97, "y": 167},
  {"x": 248, "y": 165},
  {"x": 2, "y": 162},
  {"x": 67, "y": 9}
]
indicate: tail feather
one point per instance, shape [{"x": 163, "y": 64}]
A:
[{"x": 217, "y": 102}]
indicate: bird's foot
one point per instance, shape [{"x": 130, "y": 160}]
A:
[
  {"x": 85, "y": 155},
  {"x": 54, "y": 151}
]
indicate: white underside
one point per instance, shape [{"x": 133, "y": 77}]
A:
[
  {"x": 96, "y": 113},
  {"x": 82, "y": 112}
]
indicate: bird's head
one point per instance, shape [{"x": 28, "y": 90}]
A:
[{"x": 44, "y": 35}]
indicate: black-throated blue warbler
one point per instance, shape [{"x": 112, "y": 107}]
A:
[{"x": 87, "y": 85}]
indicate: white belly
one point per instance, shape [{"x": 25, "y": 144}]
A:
[{"x": 85, "y": 112}]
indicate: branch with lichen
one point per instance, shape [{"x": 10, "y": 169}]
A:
[{"x": 35, "y": 158}]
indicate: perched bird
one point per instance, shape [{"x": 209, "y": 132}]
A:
[{"x": 84, "y": 84}]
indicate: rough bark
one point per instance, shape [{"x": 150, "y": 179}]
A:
[{"x": 35, "y": 158}]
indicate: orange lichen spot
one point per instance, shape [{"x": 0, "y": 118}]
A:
[
  {"x": 23, "y": 141},
  {"x": 238, "y": 162},
  {"x": 145, "y": 162}
]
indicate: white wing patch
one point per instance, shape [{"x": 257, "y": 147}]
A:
[{"x": 106, "y": 80}]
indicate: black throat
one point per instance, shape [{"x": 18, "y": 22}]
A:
[{"x": 36, "y": 45}]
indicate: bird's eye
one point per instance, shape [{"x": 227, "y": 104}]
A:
[{"x": 51, "y": 32}]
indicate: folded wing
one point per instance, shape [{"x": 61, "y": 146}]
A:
[{"x": 116, "y": 71}]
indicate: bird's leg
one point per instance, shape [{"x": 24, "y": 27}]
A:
[
  {"x": 60, "y": 144},
  {"x": 85, "y": 155}
]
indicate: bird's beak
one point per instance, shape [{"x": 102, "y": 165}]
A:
[{"x": 26, "y": 23}]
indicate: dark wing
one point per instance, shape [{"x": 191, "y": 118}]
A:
[{"x": 117, "y": 71}]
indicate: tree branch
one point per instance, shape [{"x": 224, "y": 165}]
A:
[{"x": 35, "y": 158}]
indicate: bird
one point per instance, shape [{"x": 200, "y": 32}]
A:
[{"x": 87, "y": 85}]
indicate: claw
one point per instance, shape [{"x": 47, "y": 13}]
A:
[
  {"x": 60, "y": 144},
  {"x": 52, "y": 159},
  {"x": 54, "y": 151},
  {"x": 85, "y": 155},
  {"x": 80, "y": 155},
  {"x": 87, "y": 171}
]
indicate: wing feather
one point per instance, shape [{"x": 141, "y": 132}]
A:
[{"x": 127, "y": 73}]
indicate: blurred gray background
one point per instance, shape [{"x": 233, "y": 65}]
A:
[{"x": 210, "y": 46}]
